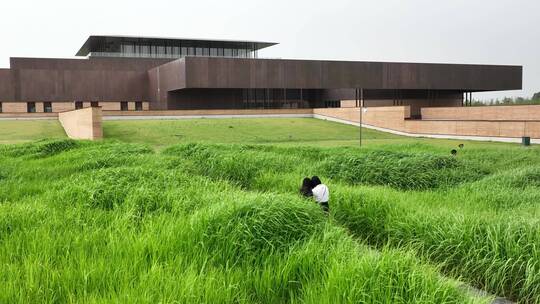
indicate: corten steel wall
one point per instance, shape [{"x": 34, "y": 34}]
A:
[
  {"x": 159, "y": 80},
  {"x": 164, "y": 79},
  {"x": 83, "y": 123},
  {"x": 205, "y": 72},
  {"x": 7, "y": 85},
  {"x": 94, "y": 79},
  {"x": 421, "y": 83}
]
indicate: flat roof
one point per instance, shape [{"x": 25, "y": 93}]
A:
[{"x": 93, "y": 42}]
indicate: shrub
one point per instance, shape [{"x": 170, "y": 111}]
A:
[{"x": 42, "y": 148}]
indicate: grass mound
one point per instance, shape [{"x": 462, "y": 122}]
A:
[
  {"x": 107, "y": 221},
  {"x": 432, "y": 223},
  {"x": 247, "y": 231},
  {"x": 401, "y": 170},
  {"x": 505, "y": 190},
  {"x": 142, "y": 229},
  {"x": 111, "y": 188},
  {"x": 42, "y": 148},
  {"x": 520, "y": 178},
  {"x": 238, "y": 164}
]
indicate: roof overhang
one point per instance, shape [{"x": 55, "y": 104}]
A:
[
  {"x": 221, "y": 73},
  {"x": 94, "y": 41}
]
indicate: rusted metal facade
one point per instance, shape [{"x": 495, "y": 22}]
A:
[{"x": 205, "y": 82}]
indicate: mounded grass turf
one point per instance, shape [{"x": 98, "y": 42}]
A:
[
  {"x": 116, "y": 222},
  {"x": 200, "y": 222}
]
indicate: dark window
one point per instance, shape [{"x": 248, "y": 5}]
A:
[
  {"x": 78, "y": 105},
  {"x": 333, "y": 103},
  {"x": 0, "y": 107},
  {"x": 31, "y": 107},
  {"x": 47, "y": 107},
  {"x": 123, "y": 106},
  {"x": 138, "y": 106},
  {"x": 94, "y": 104}
]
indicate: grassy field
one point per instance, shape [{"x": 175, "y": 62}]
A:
[
  {"x": 273, "y": 131},
  {"x": 306, "y": 131},
  {"x": 17, "y": 131},
  {"x": 198, "y": 222}
]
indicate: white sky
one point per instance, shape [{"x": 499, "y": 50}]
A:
[{"x": 452, "y": 31}]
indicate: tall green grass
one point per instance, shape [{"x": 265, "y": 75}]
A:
[
  {"x": 475, "y": 215},
  {"x": 113, "y": 222}
]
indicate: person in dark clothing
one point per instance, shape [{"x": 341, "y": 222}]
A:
[
  {"x": 320, "y": 193},
  {"x": 305, "y": 190}
]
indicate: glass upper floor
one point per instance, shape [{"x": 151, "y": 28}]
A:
[{"x": 143, "y": 47}]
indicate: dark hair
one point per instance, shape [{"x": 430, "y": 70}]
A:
[
  {"x": 315, "y": 180},
  {"x": 305, "y": 190},
  {"x": 306, "y": 183}
]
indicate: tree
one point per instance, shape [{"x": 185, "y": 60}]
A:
[{"x": 536, "y": 96}]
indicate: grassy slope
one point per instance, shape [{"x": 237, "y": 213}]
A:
[
  {"x": 102, "y": 222},
  {"x": 476, "y": 215},
  {"x": 306, "y": 131},
  {"x": 13, "y": 131},
  {"x": 280, "y": 131},
  {"x": 275, "y": 131},
  {"x": 483, "y": 229}
]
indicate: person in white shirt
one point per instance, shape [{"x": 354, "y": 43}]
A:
[{"x": 320, "y": 193}]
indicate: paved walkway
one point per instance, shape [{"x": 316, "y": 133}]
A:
[
  {"x": 481, "y": 293},
  {"x": 173, "y": 117}
]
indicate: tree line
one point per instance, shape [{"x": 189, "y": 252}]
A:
[{"x": 535, "y": 99}]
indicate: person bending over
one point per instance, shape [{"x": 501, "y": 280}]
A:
[
  {"x": 305, "y": 190},
  {"x": 320, "y": 193}
]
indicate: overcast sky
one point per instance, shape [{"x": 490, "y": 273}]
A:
[{"x": 451, "y": 31}]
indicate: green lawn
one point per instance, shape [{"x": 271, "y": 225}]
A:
[
  {"x": 280, "y": 131},
  {"x": 249, "y": 130},
  {"x": 274, "y": 131},
  {"x": 211, "y": 216},
  {"x": 14, "y": 131}
]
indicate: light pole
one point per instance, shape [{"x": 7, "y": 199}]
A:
[{"x": 359, "y": 98}]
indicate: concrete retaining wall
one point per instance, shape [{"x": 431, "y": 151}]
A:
[
  {"x": 522, "y": 112},
  {"x": 208, "y": 113},
  {"x": 482, "y": 122},
  {"x": 397, "y": 119},
  {"x": 82, "y": 124}
]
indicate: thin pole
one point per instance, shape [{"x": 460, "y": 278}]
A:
[
  {"x": 361, "y": 112},
  {"x": 361, "y": 107}
]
